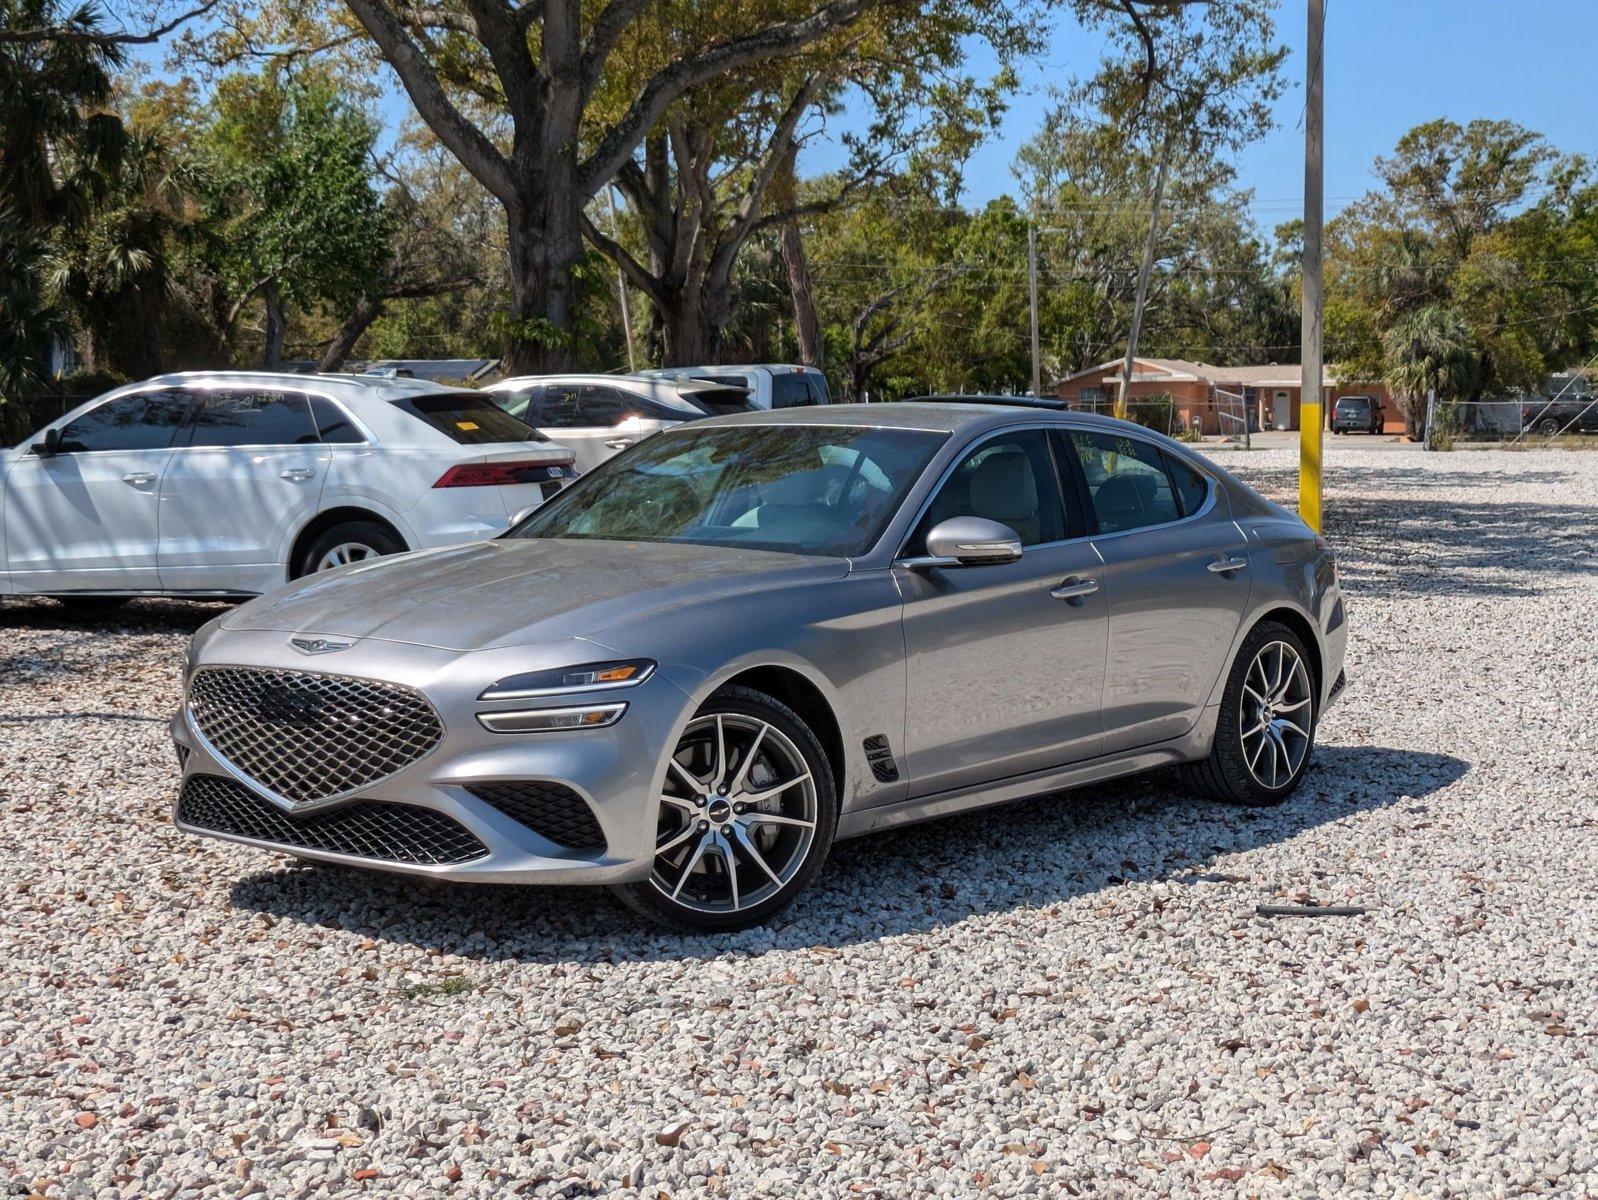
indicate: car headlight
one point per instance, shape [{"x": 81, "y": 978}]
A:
[
  {"x": 560, "y": 681},
  {"x": 551, "y": 720}
]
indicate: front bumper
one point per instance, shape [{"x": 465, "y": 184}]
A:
[{"x": 616, "y": 771}]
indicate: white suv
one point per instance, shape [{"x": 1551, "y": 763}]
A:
[
  {"x": 600, "y": 415},
  {"x": 231, "y": 482},
  {"x": 770, "y": 385}
]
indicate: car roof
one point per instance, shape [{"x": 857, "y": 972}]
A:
[
  {"x": 936, "y": 416},
  {"x": 345, "y": 387},
  {"x": 670, "y": 372}
]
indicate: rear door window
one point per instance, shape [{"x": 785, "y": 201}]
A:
[
  {"x": 469, "y": 418},
  {"x": 1192, "y": 489},
  {"x": 144, "y": 421},
  {"x": 1126, "y": 481},
  {"x": 333, "y": 423},
  {"x": 251, "y": 418}
]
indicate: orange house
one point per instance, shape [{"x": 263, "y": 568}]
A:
[{"x": 1215, "y": 399}]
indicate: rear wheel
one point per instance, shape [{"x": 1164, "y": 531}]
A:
[
  {"x": 1548, "y": 427},
  {"x": 747, "y": 817},
  {"x": 1265, "y": 734},
  {"x": 346, "y": 543}
]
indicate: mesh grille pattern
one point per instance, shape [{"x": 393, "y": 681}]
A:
[
  {"x": 311, "y": 737},
  {"x": 400, "y": 833},
  {"x": 550, "y": 810}
]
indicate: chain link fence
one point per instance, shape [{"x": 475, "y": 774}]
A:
[{"x": 1524, "y": 420}]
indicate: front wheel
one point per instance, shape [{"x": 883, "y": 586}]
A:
[
  {"x": 747, "y": 816},
  {"x": 1266, "y": 730},
  {"x": 350, "y": 542}
]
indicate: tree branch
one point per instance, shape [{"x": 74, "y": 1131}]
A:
[
  {"x": 669, "y": 84},
  {"x": 466, "y": 141},
  {"x": 52, "y": 33}
]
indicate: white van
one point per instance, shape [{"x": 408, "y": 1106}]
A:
[{"x": 770, "y": 385}]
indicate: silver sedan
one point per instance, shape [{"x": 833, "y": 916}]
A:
[{"x": 692, "y": 672}]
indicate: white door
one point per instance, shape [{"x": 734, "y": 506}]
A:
[
  {"x": 1282, "y": 410},
  {"x": 251, "y": 472},
  {"x": 596, "y": 422},
  {"x": 86, "y": 518}
]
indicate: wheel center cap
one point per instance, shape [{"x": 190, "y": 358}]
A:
[{"x": 720, "y": 809}]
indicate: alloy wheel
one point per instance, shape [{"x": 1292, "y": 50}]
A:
[
  {"x": 345, "y": 553},
  {"x": 1275, "y": 715},
  {"x": 737, "y": 816}
]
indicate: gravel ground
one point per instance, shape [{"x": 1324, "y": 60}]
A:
[{"x": 1071, "y": 996}]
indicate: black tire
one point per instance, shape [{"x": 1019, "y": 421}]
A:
[
  {"x": 91, "y": 606},
  {"x": 1548, "y": 427},
  {"x": 648, "y": 899},
  {"x": 1225, "y": 774},
  {"x": 378, "y": 538}
]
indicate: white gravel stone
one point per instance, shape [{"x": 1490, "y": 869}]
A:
[{"x": 1071, "y": 996}]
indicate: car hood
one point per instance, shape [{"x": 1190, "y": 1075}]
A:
[{"x": 512, "y": 592}]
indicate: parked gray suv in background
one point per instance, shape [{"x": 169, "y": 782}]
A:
[{"x": 692, "y": 671}]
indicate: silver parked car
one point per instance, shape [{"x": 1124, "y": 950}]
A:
[{"x": 693, "y": 670}]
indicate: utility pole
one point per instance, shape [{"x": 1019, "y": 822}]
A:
[
  {"x": 1032, "y": 286},
  {"x": 1310, "y": 394},
  {"x": 1145, "y": 269},
  {"x": 621, "y": 285}
]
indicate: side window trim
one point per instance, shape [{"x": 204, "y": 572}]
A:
[{"x": 1082, "y": 521}]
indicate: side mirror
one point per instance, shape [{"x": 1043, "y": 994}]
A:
[
  {"x": 972, "y": 542},
  {"x": 50, "y": 447},
  {"x": 518, "y": 518}
]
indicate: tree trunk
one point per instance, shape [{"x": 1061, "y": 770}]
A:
[
  {"x": 367, "y": 309},
  {"x": 546, "y": 243},
  {"x": 276, "y": 327},
  {"x": 806, "y": 322},
  {"x": 686, "y": 338}
]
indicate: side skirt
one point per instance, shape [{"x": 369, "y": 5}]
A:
[{"x": 1192, "y": 745}]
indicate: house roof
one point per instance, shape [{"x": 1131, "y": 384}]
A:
[{"x": 1185, "y": 370}]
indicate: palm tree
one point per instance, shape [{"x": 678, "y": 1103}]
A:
[
  {"x": 59, "y": 150},
  {"x": 1428, "y": 349}
]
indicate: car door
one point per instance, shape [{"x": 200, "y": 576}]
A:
[
  {"x": 1176, "y": 569},
  {"x": 248, "y": 471},
  {"x": 1005, "y": 661},
  {"x": 595, "y": 421},
  {"x": 86, "y": 518}
]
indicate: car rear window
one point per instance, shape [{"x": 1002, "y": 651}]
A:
[
  {"x": 468, "y": 418},
  {"x": 719, "y": 401}
]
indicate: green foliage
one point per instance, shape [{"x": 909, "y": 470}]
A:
[
  {"x": 1468, "y": 269},
  {"x": 286, "y": 178}
]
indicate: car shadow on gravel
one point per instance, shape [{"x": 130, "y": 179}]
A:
[
  {"x": 150, "y": 615},
  {"x": 1038, "y": 852}
]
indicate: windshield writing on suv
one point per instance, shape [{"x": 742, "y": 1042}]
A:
[{"x": 797, "y": 488}]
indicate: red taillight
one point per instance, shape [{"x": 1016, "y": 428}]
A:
[{"x": 501, "y": 474}]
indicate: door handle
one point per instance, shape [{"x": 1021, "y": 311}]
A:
[
  {"x": 1074, "y": 591},
  {"x": 137, "y": 478},
  {"x": 618, "y": 443},
  {"x": 297, "y": 474},
  {"x": 1225, "y": 566}
]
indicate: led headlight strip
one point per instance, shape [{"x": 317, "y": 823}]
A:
[
  {"x": 547, "y": 720},
  {"x": 560, "y": 681}
]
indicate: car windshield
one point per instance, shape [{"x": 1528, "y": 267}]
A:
[{"x": 804, "y": 489}]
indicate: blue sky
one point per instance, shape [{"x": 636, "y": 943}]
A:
[{"x": 1391, "y": 64}]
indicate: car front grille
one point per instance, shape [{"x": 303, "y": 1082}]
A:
[
  {"x": 551, "y": 810},
  {"x": 308, "y": 737},
  {"x": 371, "y": 829}
]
